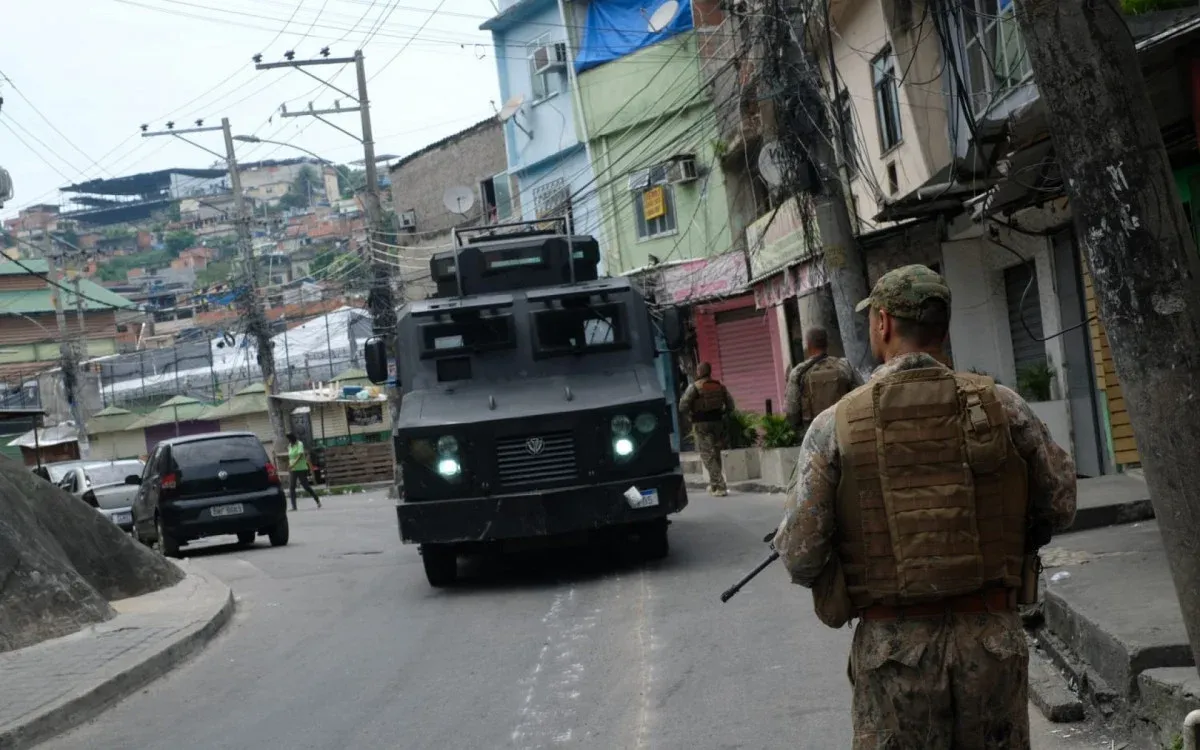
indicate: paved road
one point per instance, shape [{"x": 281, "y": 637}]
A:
[{"x": 340, "y": 643}]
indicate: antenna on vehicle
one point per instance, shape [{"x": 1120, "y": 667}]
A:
[
  {"x": 511, "y": 109},
  {"x": 663, "y": 16},
  {"x": 458, "y": 199}
]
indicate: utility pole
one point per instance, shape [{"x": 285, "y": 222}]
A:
[
  {"x": 380, "y": 300},
  {"x": 252, "y": 310},
  {"x": 1144, "y": 265},
  {"x": 804, "y": 138},
  {"x": 67, "y": 352}
]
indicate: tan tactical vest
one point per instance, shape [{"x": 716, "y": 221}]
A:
[
  {"x": 709, "y": 405},
  {"x": 823, "y": 385},
  {"x": 933, "y": 495}
]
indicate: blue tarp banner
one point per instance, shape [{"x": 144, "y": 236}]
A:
[{"x": 616, "y": 28}]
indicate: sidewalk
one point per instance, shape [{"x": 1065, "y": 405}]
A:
[
  {"x": 56, "y": 685},
  {"x": 1113, "y": 626}
]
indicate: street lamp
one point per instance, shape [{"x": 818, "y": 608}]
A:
[{"x": 256, "y": 139}]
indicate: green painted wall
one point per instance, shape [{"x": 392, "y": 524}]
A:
[
  {"x": 48, "y": 351},
  {"x": 641, "y": 110}
]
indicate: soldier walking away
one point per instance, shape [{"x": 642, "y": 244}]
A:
[
  {"x": 708, "y": 403},
  {"x": 298, "y": 469},
  {"x": 925, "y": 536},
  {"x": 817, "y": 383}
]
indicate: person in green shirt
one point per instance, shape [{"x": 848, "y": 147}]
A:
[{"x": 298, "y": 468}]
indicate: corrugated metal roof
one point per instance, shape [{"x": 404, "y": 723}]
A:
[{"x": 95, "y": 297}]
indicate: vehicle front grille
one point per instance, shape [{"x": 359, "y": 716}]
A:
[{"x": 536, "y": 459}]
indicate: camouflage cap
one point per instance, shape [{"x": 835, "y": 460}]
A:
[{"x": 902, "y": 291}]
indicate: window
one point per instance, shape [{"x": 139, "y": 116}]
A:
[
  {"x": 473, "y": 334},
  {"x": 893, "y": 180},
  {"x": 653, "y": 202},
  {"x": 845, "y": 134},
  {"x": 578, "y": 329},
  {"x": 996, "y": 57},
  {"x": 497, "y": 198},
  {"x": 887, "y": 98},
  {"x": 545, "y": 84}
]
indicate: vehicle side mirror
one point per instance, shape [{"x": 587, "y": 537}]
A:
[
  {"x": 133, "y": 479},
  {"x": 672, "y": 324},
  {"x": 375, "y": 355}
]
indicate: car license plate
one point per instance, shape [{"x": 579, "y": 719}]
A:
[
  {"x": 218, "y": 511},
  {"x": 122, "y": 518},
  {"x": 641, "y": 498}
]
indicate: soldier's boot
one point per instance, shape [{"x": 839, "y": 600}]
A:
[{"x": 720, "y": 492}]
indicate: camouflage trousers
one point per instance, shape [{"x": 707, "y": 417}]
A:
[
  {"x": 710, "y": 439},
  {"x": 953, "y": 683}
]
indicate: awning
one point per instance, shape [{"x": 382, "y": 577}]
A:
[
  {"x": 698, "y": 280},
  {"x": 795, "y": 280}
]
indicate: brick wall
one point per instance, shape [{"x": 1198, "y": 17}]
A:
[{"x": 465, "y": 159}]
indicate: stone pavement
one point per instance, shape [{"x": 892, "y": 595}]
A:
[{"x": 58, "y": 684}]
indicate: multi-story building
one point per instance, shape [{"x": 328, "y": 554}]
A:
[
  {"x": 950, "y": 164},
  {"x": 29, "y": 334},
  {"x": 472, "y": 160},
  {"x": 549, "y": 167}
]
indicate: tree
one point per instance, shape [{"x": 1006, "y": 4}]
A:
[
  {"x": 300, "y": 193},
  {"x": 351, "y": 181},
  {"x": 1131, "y": 222},
  {"x": 177, "y": 242}
]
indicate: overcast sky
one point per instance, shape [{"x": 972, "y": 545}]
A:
[{"x": 97, "y": 69}]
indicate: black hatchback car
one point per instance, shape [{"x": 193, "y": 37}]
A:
[{"x": 208, "y": 485}]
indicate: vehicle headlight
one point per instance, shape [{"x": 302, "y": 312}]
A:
[
  {"x": 621, "y": 425},
  {"x": 646, "y": 422},
  {"x": 449, "y": 468},
  {"x": 623, "y": 447}
]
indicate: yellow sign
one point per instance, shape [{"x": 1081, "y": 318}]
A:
[{"x": 654, "y": 203}]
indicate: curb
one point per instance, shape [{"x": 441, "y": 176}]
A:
[
  {"x": 750, "y": 487},
  {"x": 81, "y": 707}
]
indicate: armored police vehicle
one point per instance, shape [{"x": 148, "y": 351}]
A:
[{"x": 532, "y": 406}]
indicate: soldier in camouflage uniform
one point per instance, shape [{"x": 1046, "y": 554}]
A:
[
  {"x": 707, "y": 403},
  {"x": 923, "y": 536},
  {"x": 816, "y": 383}
]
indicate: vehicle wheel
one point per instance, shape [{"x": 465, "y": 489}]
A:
[
  {"x": 167, "y": 544},
  {"x": 278, "y": 533},
  {"x": 137, "y": 535},
  {"x": 653, "y": 539},
  {"x": 246, "y": 538},
  {"x": 441, "y": 564}
]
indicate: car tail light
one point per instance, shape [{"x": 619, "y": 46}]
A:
[
  {"x": 272, "y": 474},
  {"x": 169, "y": 481}
]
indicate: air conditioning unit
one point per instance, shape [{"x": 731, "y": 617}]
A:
[
  {"x": 683, "y": 169},
  {"x": 408, "y": 220},
  {"x": 550, "y": 58}
]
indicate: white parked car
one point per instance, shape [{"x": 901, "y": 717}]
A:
[{"x": 101, "y": 484}]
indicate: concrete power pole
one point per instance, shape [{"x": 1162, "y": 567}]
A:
[
  {"x": 1128, "y": 214},
  {"x": 251, "y": 307},
  {"x": 69, "y": 356},
  {"x": 803, "y": 135},
  {"x": 381, "y": 300}
]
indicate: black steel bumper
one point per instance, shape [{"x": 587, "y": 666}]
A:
[{"x": 561, "y": 510}]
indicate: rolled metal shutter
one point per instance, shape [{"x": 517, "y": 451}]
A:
[
  {"x": 747, "y": 362},
  {"x": 1027, "y": 350}
]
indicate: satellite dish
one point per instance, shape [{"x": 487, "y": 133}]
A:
[
  {"x": 511, "y": 107},
  {"x": 459, "y": 199},
  {"x": 768, "y": 164},
  {"x": 663, "y": 16}
]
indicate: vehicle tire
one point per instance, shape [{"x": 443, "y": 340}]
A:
[
  {"x": 279, "y": 533},
  {"x": 246, "y": 538},
  {"x": 167, "y": 544},
  {"x": 653, "y": 539},
  {"x": 137, "y": 535},
  {"x": 441, "y": 564}
]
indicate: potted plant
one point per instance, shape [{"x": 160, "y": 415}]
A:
[{"x": 780, "y": 450}]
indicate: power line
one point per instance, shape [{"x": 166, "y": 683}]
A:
[{"x": 46, "y": 277}]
